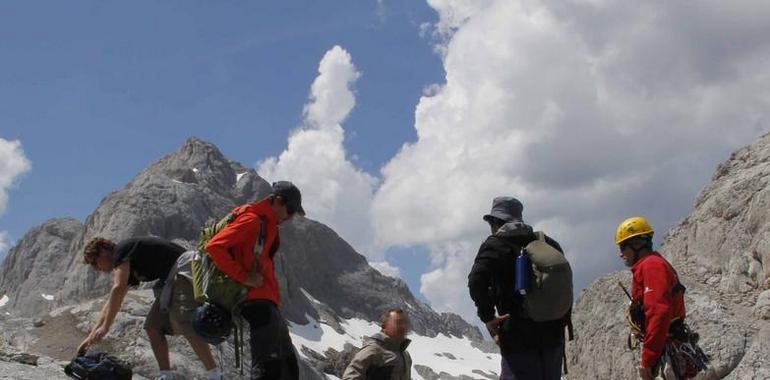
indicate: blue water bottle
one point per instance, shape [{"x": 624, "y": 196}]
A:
[{"x": 522, "y": 272}]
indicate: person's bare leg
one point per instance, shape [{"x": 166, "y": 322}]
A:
[
  {"x": 203, "y": 350},
  {"x": 159, "y": 348}
]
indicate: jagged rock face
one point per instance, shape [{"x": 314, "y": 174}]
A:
[
  {"x": 26, "y": 274},
  {"x": 173, "y": 198},
  {"x": 321, "y": 276},
  {"x": 314, "y": 258},
  {"x": 177, "y": 195},
  {"x": 725, "y": 242},
  {"x": 722, "y": 254}
]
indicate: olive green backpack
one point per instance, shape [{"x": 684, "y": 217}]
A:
[
  {"x": 549, "y": 296},
  {"x": 209, "y": 283}
]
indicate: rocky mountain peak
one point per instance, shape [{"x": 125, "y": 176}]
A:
[
  {"x": 25, "y": 275},
  {"x": 721, "y": 252},
  {"x": 326, "y": 286},
  {"x": 725, "y": 242},
  {"x": 200, "y": 162}
]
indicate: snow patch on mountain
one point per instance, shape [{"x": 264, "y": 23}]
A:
[
  {"x": 455, "y": 356},
  {"x": 319, "y": 336}
]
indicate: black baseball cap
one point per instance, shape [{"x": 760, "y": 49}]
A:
[{"x": 291, "y": 196}]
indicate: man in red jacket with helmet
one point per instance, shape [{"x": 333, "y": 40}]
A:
[
  {"x": 655, "y": 286},
  {"x": 244, "y": 251}
]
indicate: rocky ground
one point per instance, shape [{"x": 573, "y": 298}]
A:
[{"x": 39, "y": 348}]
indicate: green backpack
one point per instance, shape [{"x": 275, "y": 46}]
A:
[
  {"x": 549, "y": 296},
  {"x": 209, "y": 283}
]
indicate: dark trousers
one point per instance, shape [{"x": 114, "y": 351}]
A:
[
  {"x": 272, "y": 353},
  {"x": 543, "y": 364}
]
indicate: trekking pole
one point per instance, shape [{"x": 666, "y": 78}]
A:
[{"x": 625, "y": 291}]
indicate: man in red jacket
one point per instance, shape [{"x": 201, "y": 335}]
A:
[
  {"x": 655, "y": 286},
  {"x": 244, "y": 251}
]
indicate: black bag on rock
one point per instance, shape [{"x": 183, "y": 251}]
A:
[{"x": 98, "y": 365}]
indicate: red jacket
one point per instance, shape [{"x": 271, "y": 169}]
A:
[
  {"x": 232, "y": 249},
  {"x": 653, "y": 285}
]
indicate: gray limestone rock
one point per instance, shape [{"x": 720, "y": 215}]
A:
[
  {"x": 429, "y": 374},
  {"x": 722, "y": 254},
  {"x": 32, "y": 269},
  {"x": 16, "y": 371},
  {"x": 321, "y": 276},
  {"x": 762, "y": 307}
]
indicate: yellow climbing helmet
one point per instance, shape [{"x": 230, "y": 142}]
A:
[{"x": 632, "y": 227}]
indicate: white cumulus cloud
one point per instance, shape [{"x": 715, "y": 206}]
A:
[
  {"x": 587, "y": 111},
  {"x": 4, "y": 244},
  {"x": 385, "y": 268},
  {"x": 334, "y": 191},
  {"x": 13, "y": 164}
]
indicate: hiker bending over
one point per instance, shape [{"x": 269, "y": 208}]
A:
[
  {"x": 235, "y": 251},
  {"x": 144, "y": 259},
  {"x": 384, "y": 355},
  {"x": 530, "y": 349}
]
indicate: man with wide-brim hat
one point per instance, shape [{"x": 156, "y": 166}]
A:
[{"x": 530, "y": 349}]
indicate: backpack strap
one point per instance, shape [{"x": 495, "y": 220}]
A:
[
  {"x": 570, "y": 337},
  {"x": 564, "y": 357},
  {"x": 260, "y": 243},
  {"x": 238, "y": 328},
  {"x": 540, "y": 235},
  {"x": 678, "y": 287},
  {"x": 239, "y": 210}
]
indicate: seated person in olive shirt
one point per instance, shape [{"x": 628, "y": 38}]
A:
[{"x": 144, "y": 259}]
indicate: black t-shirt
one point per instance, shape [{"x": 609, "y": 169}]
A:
[{"x": 150, "y": 258}]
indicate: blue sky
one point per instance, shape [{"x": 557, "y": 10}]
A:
[
  {"x": 589, "y": 112},
  {"x": 96, "y": 91},
  {"x": 102, "y": 88}
]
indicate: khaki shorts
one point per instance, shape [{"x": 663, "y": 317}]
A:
[{"x": 178, "y": 319}]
